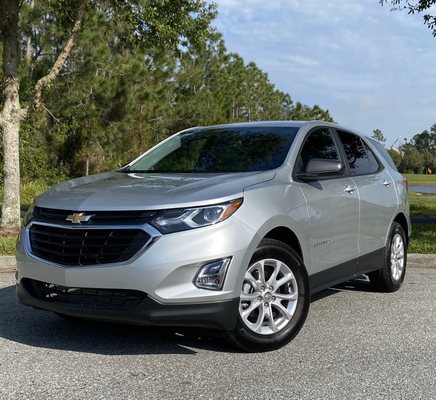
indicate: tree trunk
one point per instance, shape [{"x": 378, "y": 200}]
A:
[
  {"x": 10, "y": 117},
  {"x": 12, "y": 113},
  {"x": 11, "y": 121}
]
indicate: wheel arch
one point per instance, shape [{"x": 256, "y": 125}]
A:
[
  {"x": 286, "y": 236},
  {"x": 402, "y": 220}
]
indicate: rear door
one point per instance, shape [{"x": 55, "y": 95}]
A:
[
  {"x": 378, "y": 200},
  {"x": 333, "y": 212}
]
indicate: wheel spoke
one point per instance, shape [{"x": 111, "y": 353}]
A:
[
  {"x": 249, "y": 296},
  {"x": 262, "y": 299},
  {"x": 286, "y": 296},
  {"x": 249, "y": 310},
  {"x": 271, "y": 321},
  {"x": 260, "y": 319},
  {"x": 285, "y": 279},
  {"x": 249, "y": 278},
  {"x": 261, "y": 269},
  {"x": 283, "y": 310},
  {"x": 272, "y": 279}
]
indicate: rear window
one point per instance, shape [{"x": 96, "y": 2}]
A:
[{"x": 211, "y": 150}]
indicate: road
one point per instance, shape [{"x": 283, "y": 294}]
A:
[{"x": 356, "y": 344}]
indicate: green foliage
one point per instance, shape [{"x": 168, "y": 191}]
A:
[
  {"x": 422, "y": 204},
  {"x": 7, "y": 245},
  {"x": 411, "y": 160},
  {"x": 418, "y": 155},
  {"x": 138, "y": 72},
  {"x": 420, "y": 179},
  {"x": 421, "y": 7},
  {"x": 378, "y": 135},
  {"x": 423, "y": 239},
  {"x": 396, "y": 157},
  {"x": 28, "y": 191}
]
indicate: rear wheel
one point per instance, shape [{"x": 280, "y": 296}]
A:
[
  {"x": 274, "y": 299},
  {"x": 391, "y": 276}
]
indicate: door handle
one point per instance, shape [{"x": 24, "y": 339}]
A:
[
  {"x": 349, "y": 189},
  {"x": 386, "y": 183}
]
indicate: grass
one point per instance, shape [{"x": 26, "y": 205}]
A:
[
  {"x": 420, "y": 179},
  {"x": 422, "y": 204},
  {"x": 7, "y": 245},
  {"x": 423, "y": 239}
]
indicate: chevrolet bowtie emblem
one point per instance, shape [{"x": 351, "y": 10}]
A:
[{"x": 78, "y": 218}]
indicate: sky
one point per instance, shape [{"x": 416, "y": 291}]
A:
[{"x": 370, "y": 67}]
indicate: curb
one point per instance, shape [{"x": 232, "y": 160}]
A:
[
  {"x": 9, "y": 264},
  {"x": 421, "y": 260}
]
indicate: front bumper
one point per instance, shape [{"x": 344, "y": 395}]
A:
[
  {"x": 164, "y": 272},
  {"x": 218, "y": 315}
]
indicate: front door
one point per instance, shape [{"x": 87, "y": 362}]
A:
[{"x": 333, "y": 211}]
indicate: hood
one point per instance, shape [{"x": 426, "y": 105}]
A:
[{"x": 134, "y": 191}]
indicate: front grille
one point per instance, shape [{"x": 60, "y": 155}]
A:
[
  {"x": 57, "y": 216},
  {"x": 109, "y": 299},
  {"x": 75, "y": 247}
]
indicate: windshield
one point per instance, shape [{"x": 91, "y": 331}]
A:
[{"x": 211, "y": 150}]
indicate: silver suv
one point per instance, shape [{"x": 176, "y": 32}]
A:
[{"x": 231, "y": 227}]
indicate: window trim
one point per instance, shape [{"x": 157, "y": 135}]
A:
[
  {"x": 381, "y": 166},
  {"x": 339, "y": 149}
]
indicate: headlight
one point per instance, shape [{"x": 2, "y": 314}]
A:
[
  {"x": 29, "y": 215},
  {"x": 189, "y": 218}
]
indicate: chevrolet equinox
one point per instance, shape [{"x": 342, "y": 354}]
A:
[{"x": 230, "y": 227}]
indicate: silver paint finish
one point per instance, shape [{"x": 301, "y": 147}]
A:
[
  {"x": 269, "y": 297},
  {"x": 397, "y": 256},
  {"x": 316, "y": 213}
]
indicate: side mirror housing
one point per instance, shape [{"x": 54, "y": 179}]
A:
[{"x": 321, "y": 168}]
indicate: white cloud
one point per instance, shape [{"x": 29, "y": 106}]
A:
[{"x": 354, "y": 57}]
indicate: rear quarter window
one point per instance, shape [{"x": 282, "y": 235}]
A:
[
  {"x": 383, "y": 152},
  {"x": 361, "y": 160}
]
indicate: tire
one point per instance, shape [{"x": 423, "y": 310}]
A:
[
  {"x": 273, "y": 305},
  {"x": 391, "y": 276}
]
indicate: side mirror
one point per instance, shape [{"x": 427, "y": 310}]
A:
[{"x": 320, "y": 167}]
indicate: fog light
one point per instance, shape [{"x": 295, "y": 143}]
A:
[{"x": 211, "y": 276}]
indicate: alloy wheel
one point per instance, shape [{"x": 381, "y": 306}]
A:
[
  {"x": 397, "y": 256},
  {"x": 269, "y": 297}
]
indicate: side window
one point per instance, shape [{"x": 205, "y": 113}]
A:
[
  {"x": 384, "y": 153},
  {"x": 360, "y": 158},
  {"x": 373, "y": 163},
  {"x": 319, "y": 144}
]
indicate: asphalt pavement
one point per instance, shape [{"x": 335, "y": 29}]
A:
[{"x": 356, "y": 344}]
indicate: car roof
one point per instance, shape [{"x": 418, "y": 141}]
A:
[{"x": 291, "y": 124}]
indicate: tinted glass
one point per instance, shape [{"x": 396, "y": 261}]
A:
[
  {"x": 358, "y": 159},
  {"x": 220, "y": 150},
  {"x": 319, "y": 144},
  {"x": 384, "y": 153},
  {"x": 373, "y": 163}
]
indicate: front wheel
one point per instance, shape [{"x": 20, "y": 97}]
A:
[
  {"x": 391, "y": 276},
  {"x": 274, "y": 299}
]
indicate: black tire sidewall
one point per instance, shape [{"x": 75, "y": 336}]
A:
[{"x": 395, "y": 284}]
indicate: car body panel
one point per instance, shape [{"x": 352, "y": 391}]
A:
[{"x": 334, "y": 228}]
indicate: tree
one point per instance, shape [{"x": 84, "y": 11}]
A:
[
  {"x": 426, "y": 140},
  {"x": 424, "y": 7},
  {"x": 411, "y": 161},
  {"x": 137, "y": 23},
  {"x": 378, "y": 135},
  {"x": 396, "y": 157}
]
